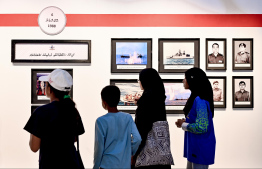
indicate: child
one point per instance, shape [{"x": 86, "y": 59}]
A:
[{"x": 114, "y": 144}]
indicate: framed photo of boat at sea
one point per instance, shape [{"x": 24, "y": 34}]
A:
[
  {"x": 216, "y": 54},
  {"x": 130, "y": 92},
  {"x": 38, "y": 95},
  {"x": 178, "y": 55},
  {"x": 242, "y": 92},
  {"x": 218, "y": 84},
  {"x": 242, "y": 57},
  {"x": 51, "y": 51},
  {"x": 130, "y": 55},
  {"x": 176, "y": 96}
]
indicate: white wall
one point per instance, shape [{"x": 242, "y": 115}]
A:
[{"x": 237, "y": 130}]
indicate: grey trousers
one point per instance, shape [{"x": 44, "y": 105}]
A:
[{"x": 196, "y": 166}]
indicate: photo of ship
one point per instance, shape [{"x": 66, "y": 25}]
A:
[{"x": 176, "y": 95}]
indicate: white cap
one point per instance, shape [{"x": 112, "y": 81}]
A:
[{"x": 59, "y": 79}]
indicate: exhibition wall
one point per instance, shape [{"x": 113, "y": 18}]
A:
[{"x": 237, "y": 130}]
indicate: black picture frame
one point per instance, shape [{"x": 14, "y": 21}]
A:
[
  {"x": 177, "y": 97},
  {"x": 243, "y": 99},
  {"x": 126, "y": 106},
  {"x": 42, "y": 99},
  {"x": 212, "y": 61},
  {"x": 220, "y": 98},
  {"x": 50, "y": 50},
  {"x": 237, "y": 62},
  {"x": 122, "y": 67},
  {"x": 178, "y": 68}
]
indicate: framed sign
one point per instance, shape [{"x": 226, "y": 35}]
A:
[
  {"x": 216, "y": 54},
  {"x": 242, "y": 54},
  {"x": 130, "y": 92},
  {"x": 219, "y": 90},
  {"x": 51, "y": 51},
  {"x": 178, "y": 55},
  {"x": 130, "y": 55},
  {"x": 176, "y": 96},
  {"x": 38, "y": 95},
  {"x": 243, "y": 92}
]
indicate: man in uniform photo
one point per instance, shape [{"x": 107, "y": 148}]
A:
[
  {"x": 217, "y": 92},
  {"x": 215, "y": 57},
  {"x": 242, "y": 94},
  {"x": 242, "y": 56}
]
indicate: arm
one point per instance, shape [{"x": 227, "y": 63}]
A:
[
  {"x": 136, "y": 138},
  {"x": 201, "y": 124},
  {"x": 34, "y": 143},
  {"x": 99, "y": 144}
]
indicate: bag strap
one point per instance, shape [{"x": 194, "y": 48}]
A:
[{"x": 77, "y": 139}]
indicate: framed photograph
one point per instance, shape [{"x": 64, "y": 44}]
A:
[
  {"x": 219, "y": 90},
  {"x": 178, "y": 55},
  {"x": 130, "y": 55},
  {"x": 176, "y": 96},
  {"x": 38, "y": 95},
  {"x": 243, "y": 92},
  {"x": 216, "y": 54},
  {"x": 242, "y": 54},
  {"x": 51, "y": 51},
  {"x": 130, "y": 93}
]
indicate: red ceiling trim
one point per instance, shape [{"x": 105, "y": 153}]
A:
[{"x": 141, "y": 20}]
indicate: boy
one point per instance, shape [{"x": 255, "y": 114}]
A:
[{"x": 114, "y": 144}]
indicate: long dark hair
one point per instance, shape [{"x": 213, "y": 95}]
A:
[
  {"x": 199, "y": 86},
  {"x": 67, "y": 105},
  {"x": 152, "y": 82}
]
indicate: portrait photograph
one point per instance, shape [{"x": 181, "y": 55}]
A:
[
  {"x": 242, "y": 54},
  {"x": 38, "y": 93},
  {"x": 215, "y": 54},
  {"x": 176, "y": 95},
  {"x": 130, "y": 93},
  {"x": 130, "y": 55},
  {"x": 242, "y": 91},
  {"x": 219, "y": 90},
  {"x": 178, "y": 55}
]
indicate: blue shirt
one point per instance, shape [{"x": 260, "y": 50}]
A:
[
  {"x": 200, "y": 141},
  {"x": 113, "y": 142}
]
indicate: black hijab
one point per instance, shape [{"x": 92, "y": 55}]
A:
[
  {"x": 152, "y": 83},
  {"x": 199, "y": 86}
]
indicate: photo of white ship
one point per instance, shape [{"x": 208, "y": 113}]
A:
[{"x": 178, "y": 53}]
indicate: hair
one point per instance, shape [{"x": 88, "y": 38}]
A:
[
  {"x": 67, "y": 105},
  {"x": 215, "y": 44},
  {"x": 111, "y": 95},
  {"x": 242, "y": 82},
  {"x": 215, "y": 82},
  {"x": 199, "y": 86},
  {"x": 242, "y": 44},
  {"x": 152, "y": 82}
]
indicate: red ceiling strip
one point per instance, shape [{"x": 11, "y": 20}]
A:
[{"x": 142, "y": 20}]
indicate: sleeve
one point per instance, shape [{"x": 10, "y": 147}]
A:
[
  {"x": 236, "y": 96},
  {"x": 80, "y": 127},
  {"x": 201, "y": 124},
  {"x": 99, "y": 144},
  {"x": 248, "y": 98},
  {"x": 35, "y": 124},
  {"x": 136, "y": 138},
  {"x": 221, "y": 95}
]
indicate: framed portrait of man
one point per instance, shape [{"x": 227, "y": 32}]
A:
[
  {"x": 130, "y": 55},
  {"x": 38, "y": 94},
  {"x": 243, "y": 92},
  {"x": 130, "y": 93},
  {"x": 242, "y": 57},
  {"x": 178, "y": 55},
  {"x": 216, "y": 54},
  {"x": 218, "y": 84},
  {"x": 176, "y": 96}
]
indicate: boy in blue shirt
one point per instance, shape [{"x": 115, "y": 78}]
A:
[{"x": 114, "y": 144}]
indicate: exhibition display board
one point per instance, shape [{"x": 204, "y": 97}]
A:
[{"x": 126, "y": 38}]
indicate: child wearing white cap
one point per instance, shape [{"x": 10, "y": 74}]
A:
[{"x": 54, "y": 127}]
